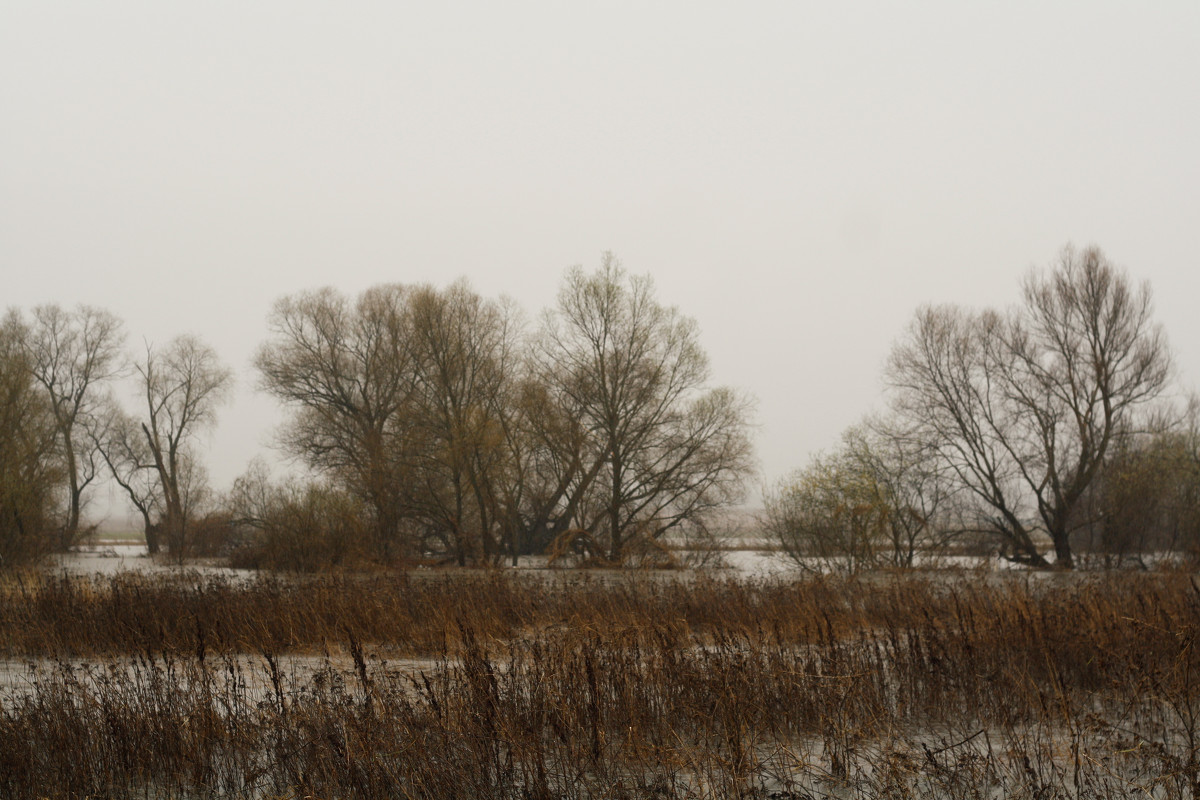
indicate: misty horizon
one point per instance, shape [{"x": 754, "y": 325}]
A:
[{"x": 798, "y": 180}]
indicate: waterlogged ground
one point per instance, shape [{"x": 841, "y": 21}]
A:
[
  {"x": 571, "y": 684},
  {"x": 254, "y": 679},
  {"x": 264, "y": 713},
  {"x": 748, "y": 562},
  {"x": 109, "y": 559}
]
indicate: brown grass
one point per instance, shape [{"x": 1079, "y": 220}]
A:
[{"x": 883, "y": 686}]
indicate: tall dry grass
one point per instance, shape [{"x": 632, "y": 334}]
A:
[{"x": 888, "y": 686}]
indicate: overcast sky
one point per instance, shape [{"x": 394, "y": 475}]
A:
[{"x": 799, "y": 177}]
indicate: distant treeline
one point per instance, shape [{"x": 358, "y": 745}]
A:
[
  {"x": 434, "y": 423},
  {"x": 1046, "y": 427}
]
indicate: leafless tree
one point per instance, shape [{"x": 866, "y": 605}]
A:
[
  {"x": 182, "y": 386},
  {"x": 126, "y": 451},
  {"x": 669, "y": 449},
  {"x": 1024, "y": 406},
  {"x": 348, "y": 370},
  {"x": 553, "y": 462},
  {"x": 878, "y": 499},
  {"x": 425, "y": 404},
  {"x": 71, "y": 354},
  {"x": 465, "y": 355},
  {"x": 911, "y": 486}
]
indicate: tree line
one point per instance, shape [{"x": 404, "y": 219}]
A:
[
  {"x": 435, "y": 423},
  {"x": 1042, "y": 433},
  {"x": 62, "y": 429},
  {"x": 431, "y": 423}
]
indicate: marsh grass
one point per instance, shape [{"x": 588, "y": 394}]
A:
[{"x": 882, "y": 686}]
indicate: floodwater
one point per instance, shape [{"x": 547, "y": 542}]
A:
[
  {"x": 796, "y": 768},
  {"x": 110, "y": 559},
  {"x": 249, "y": 674}
]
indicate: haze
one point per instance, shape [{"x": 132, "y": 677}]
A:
[{"x": 797, "y": 177}]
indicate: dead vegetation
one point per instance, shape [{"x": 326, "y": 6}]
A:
[{"x": 566, "y": 687}]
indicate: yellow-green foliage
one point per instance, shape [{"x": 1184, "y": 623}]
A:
[{"x": 30, "y": 473}]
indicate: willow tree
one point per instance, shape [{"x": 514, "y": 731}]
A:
[
  {"x": 124, "y": 447},
  {"x": 668, "y": 449},
  {"x": 828, "y": 515},
  {"x": 465, "y": 356},
  {"x": 879, "y": 498},
  {"x": 347, "y": 370},
  {"x": 31, "y": 473},
  {"x": 1025, "y": 406},
  {"x": 554, "y": 460}
]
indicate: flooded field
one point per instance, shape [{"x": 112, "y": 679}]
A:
[
  {"x": 110, "y": 559},
  {"x": 508, "y": 685},
  {"x": 746, "y": 562}
]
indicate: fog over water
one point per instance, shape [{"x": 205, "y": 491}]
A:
[{"x": 797, "y": 177}]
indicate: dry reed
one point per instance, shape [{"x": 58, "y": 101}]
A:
[{"x": 884, "y": 686}]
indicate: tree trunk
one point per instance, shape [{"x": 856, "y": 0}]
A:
[
  {"x": 151, "y": 531},
  {"x": 1062, "y": 551},
  {"x": 614, "y": 513},
  {"x": 71, "y": 531}
]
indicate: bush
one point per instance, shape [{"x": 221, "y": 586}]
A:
[{"x": 308, "y": 529}]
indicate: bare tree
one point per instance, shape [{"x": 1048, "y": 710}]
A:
[
  {"x": 182, "y": 385},
  {"x": 465, "y": 354},
  {"x": 125, "y": 449},
  {"x": 553, "y": 462},
  {"x": 669, "y": 449},
  {"x": 348, "y": 370},
  {"x": 423, "y": 404},
  {"x": 1024, "y": 407},
  {"x": 71, "y": 354},
  {"x": 878, "y": 499},
  {"x": 909, "y": 484}
]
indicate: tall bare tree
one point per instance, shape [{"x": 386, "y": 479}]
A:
[
  {"x": 182, "y": 386},
  {"x": 1025, "y": 406},
  {"x": 71, "y": 354},
  {"x": 670, "y": 449},
  {"x": 348, "y": 370},
  {"x": 125, "y": 449},
  {"x": 465, "y": 353}
]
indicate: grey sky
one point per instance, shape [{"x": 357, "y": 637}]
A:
[{"x": 797, "y": 176}]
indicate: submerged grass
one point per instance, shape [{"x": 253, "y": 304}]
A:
[{"x": 884, "y": 686}]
